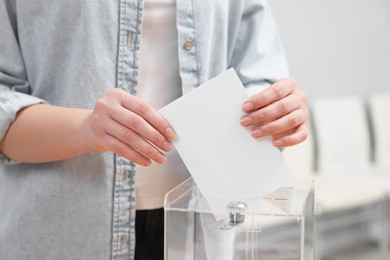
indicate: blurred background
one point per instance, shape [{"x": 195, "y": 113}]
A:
[
  {"x": 339, "y": 52},
  {"x": 336, "y": 47}
]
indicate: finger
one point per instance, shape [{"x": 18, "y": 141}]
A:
[
  {"x": 272, "y": 112},
  {"x": 136, "y": 142},
  {"x": 291, "y": 137},
  {"x": 141, "y": 127},
  {"x": 145, "y": 111},
  {"x": 268, "y": 96},
  {"x": 281, "y": 125},
  {"x": 125, "y": 151}
]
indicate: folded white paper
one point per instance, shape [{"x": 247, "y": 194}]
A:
[{"x": 221, "y": 155}]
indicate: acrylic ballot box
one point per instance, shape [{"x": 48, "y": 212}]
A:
[{"x": 278, "y": 226}]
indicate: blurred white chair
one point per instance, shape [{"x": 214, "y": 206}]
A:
[
  {"x": 342, "y": 135},
  {"x": 379, "y": 108},
  {"x": 346, "y": 189},
  {"x": 335, "y": 197},
  {"x": 341, "y": 146}
]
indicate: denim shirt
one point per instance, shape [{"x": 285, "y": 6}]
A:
[{"x": 70, "y": 53}]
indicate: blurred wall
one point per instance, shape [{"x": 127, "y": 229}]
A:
[{"x": 336, "y": 47}]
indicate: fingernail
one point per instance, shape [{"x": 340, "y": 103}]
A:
[
  {"x": 167, "y": 146},
  {"x": 247, "y": 107},
  {"x": 257, "y": 133},
  {"x": 146, "y": 162},
  {"x": 245, "y": 121},
  {"x": 277, "y": 142},
  {"x": 170, "y": 133},
  {"x": 161, "y": 158}
]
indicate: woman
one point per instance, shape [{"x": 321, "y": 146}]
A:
[{"x": 81, "y": 82}]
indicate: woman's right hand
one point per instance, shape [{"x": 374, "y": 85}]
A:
[{"x": 128, "y": 126}]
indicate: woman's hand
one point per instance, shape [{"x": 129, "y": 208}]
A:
[
  {"x": 126, "y": 125},
  {"x": 282, "y": 112}
]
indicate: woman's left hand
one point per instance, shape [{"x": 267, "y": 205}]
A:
[{"x": 282, "y": 112}]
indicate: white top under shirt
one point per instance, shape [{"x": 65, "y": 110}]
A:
[{"x": 159, "y": 83}]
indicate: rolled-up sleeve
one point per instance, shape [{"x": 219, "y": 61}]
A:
[
  {"x": 258, "y": 56},
  {"x": 15, "y": 91}
]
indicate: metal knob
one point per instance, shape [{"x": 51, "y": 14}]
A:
[{"x": 237, "y": 211}]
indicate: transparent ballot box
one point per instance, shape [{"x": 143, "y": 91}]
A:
[{"x": 278, "y": 226}]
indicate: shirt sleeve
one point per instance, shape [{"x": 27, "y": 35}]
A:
[
  {"x": 15, "y": 91},
  {"x": 258, "y": 55}
]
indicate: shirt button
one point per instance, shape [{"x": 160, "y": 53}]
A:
[
  {"x": 124, "y": 178},
  {"x": 123, "y": 240},
  {"x": 188, "y": 45}
]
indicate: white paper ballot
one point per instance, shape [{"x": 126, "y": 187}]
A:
[{"x": 221, "y": 155}]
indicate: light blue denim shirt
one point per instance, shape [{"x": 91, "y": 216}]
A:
[{"x": 70, "y": 53}]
